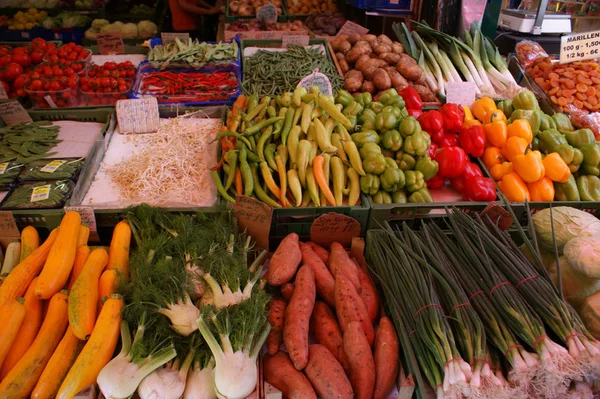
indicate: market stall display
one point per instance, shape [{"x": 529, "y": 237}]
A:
[
  {"x": 193, "y": 54},
  {"x": 130, "y": 30},
  {"x": 253, "y": 29},
  {"x": 307, "y": 7},
  {"x": 23, "y": 20},
  {"x": 245, "y": 8},
  {"x": 327, "y": 23}
]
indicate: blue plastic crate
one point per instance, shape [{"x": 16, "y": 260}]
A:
[
  {"x": 390, "y": 4},
  {"x": 69, "y": 35},
  {"x": 362, "y": 4}
]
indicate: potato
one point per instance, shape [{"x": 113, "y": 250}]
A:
[
  {"x": 383, "y": 48},
  {"x": 368, "y": 87},
  {"x": 368, "y": 38},
  {"x": 342, "y": 46},
  {"x": 425, "y": 94},
  {"x": 411, "y": 72},
  {"x": 361, "y": 61},
  {"x": 353, "y": 80},
  {"x": 381, "y": 79},
  {"x": 368, "y": 71},
  {"x": 384, "y": 39},
  {"x": 397, "y": 48},
  {"x": 376, "y": 62},
  {"x": 398, "y": 81},
  {"x": 390, "y": 58},
  {"x": 353, "y": 55},
  {"x": 340, "y": 56},
  {"x": 353, "y": 38},
  {"x": 361, "y": 44},
  {"x": 342, "y": 37},
  {"x": 344, "y": 66},
  {"x": 407, "y": 59},
  {"x": 374, "y": 44},
  {"x": 374, "y": 55}
]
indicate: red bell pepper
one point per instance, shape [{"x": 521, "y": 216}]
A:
[
  {"x": 472, "y": 140},
  {"x": 471, "y": 170},
  {"x": 478, "y": 188},
  {"x": 454, "y": 116},
  {"x": 452, "y": 161},
  {"x": 411, "y": 99},
  {"x": 415, "y": 113},
  {"x": 432, "y": 150},
  {"x": 436, "y": 182},
  {"x": 448, "y": 140},
  {"x": 433, "y": 123}
]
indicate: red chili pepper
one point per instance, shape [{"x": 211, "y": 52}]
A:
[
  {"x": 452, "y": 161},
  {"x": 436, "y": 182},
  {"x": 448, "y": 140},
  {"x": 471, "y": 170},
  {"x": 454, "y": 116},
  {"x": 433, "y": 123},
  {"x": 472, "y": 140},
  {"x": 478, "y": 188},
  {"x": 411, "y": 99}
]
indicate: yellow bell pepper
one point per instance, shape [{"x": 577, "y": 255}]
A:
[
  {"x": 472, "y": 122},
  {"x": 556, "y": 168},
  {"x": 483, "y": 107},
  {"x": 468, "y": 114},
  {"x": 541, "y": 190},
  {"x": 520, "y": 128},
  {"x": 500, "y": 170},
  {"x": 495, "y": 115},
  {"x": 492, "y": 156},
  {"x": 514, "y": 146},
  {"x": 496, "y": 133},
  {"x": 514, "y": 188},
  {"x": 529, "y": 166}
]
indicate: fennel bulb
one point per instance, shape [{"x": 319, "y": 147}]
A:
[
  {"x": 167, "y": 382},
  {"x": 183, "y": 315},
  {"x": 201, "y": 382}
]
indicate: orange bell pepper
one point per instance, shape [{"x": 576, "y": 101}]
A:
[
  {"x": 556, "y": 168},
  {"x": 472, "y": 122},
  {"x": 483, "y": 107},
  {"x": 498, "y": 171},
  {"x": 520, "y": 128},
  {"x": 496, "y": 133},
  {"x": 514, "y": 146},
  {"x": 529, "y": 166},
  {"x": 494, "y": 116},
  {"x": 541, "y": 190},
  {"x": 492, "y": 156},
  {"x": 514, "y": 188}
]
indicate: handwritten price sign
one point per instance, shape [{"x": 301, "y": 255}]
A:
[
  {"x": 334, "y": 227},
  {"x": 255, "y": 217},
  {"x": 13, "y": 112},
  {"x": 110, "y": 43}
]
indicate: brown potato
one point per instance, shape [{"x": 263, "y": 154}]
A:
[
  {"x": 384, "y": 39},
  {"x": 368, "y": 38},
  {"x": 361, "y": 61},
  {"x": 362, "y": 43},
  {"x": 353, "y": 80},
  {"x": 344, "y": 46},
  {"x": 407, "y": 59},
  {"x": 383, "y": 48},
  {"x": 390, "y": 58},
  {"x": 340, "y": 56},
  {"x": 368, "y": 71},
  {"x": 425, "y": 94},
  {"x": 374, "y": 44},
  {"x": 353, "y": 38},
  {"x": 368, "y": 87},
  {"x": 342, "y": 37},
  {"x": 398, "y": 81},
  {"x": 411, "y": 72},
  {"x": 353, "y": 55},
  {"x": 374, "y": 55},
  {"x": 381, "y": 79},
  {"x": 397, "y": 48},
  {"x": 376, "y": 62},
  {"x": 344, "y": 66}
]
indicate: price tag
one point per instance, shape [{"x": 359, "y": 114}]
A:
[
  {"x": 40, "y": 193},
  {"x": 168, "y": 37},
  {"x": 51, "y": 166},
  {"x": 255, "y": 217},
  {"x": 579, "y": 46},
  {"x": 88, "y": 217},
  {"x": 350, "y": 28},
  {"x": 294, "y": 39},
  {"x": 461, "y": 93},
  {"x": 50, "y": 101},
  {"x": 319, "y": 80},
  {"x": 498, "y": 215},
  {"x": 138, "y": 116},
  {"x": 8, "y": 225},
  {"x": 267, "y": 14},
  {"x": 110, "y": 43},
  {"x": 334, "y": 227},
  {"x": 13, "y": 112},
  {"x": 3, "y": 167},
  {"x": 3, "y": 95}
]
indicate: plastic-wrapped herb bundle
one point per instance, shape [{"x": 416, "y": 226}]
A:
[
  {"x": 8, "y": 173},
  {"x": 51, "y": 169},
  {"x": 39, "y": 195}
]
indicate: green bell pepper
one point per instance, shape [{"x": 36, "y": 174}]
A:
[
  {"x": 391, "y": 163},
  {"x": 535, "y": 144},
  {"x": 363, "y": 99},
  {"x": 417, "y": 144},
  {"x": 525, "y": 100},
  {"x": 367, "y": 119},
  {"x": 563, "y": 123},
  {"x": 547, "y": 123},
  {"x": 580, "y": 137},
  {"x": 369, "y": 184},
  {"x": 550, "y": 139},
  {"x": 420, "y": 196},
  {"x": 405, "y": 161},
  {"x": 392, "y": 140},
  {"x": 385, "y": 120},
  {"x": 381, "y": 197},
  {"x": 399, "y": 197},
  {"x": 392, "y": 179},
  {"x": 367, "y": 148},
  {"x": 392, "y": 110},
  {"x": 591, "y": 158},
  {"x": 397, "y": 102},
  {"x": 534, "y": 117},
  {"x": 408, "y": 126},
  {"x": 414, "y": 180},
  {"x": 589, "y": 188},
  {"x": 566, "y": 191},
  {"x": 388, "y": 153},
  {"x": 364, "y": 137},
  {"x": 344, "y": 97},
  {"x": 354, "y": 108},
  {"x": 376, "y": 106},
  {"x": 354, "y": 120},
  {"x": 506, "y": 107},
  {"x": 577, "y": 160},
  {"x": 387, "y": 95},
  {"x": 427, "y": 166},
  {"x": 374, "y": 163}
]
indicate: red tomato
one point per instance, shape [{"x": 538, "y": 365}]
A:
[
  {"x": 69, "y": 71},
  {"x": 55, "y": 86},
  {"x": 37, "y": 56},
  {"x": 72, "y": 82},
  {"x": 35, "y": 85},
  {"x": 20, "y": 81},
  {"x": 20, "y": 92},
  {"x": 20, "y": 50},
  {"x": 105, "y": 82},
  {"x": 39, "y": 44},
  {"x": 5, "y": 60},
  {"x": 13, "y": 71},
  {"x": 123, "y": 88}
]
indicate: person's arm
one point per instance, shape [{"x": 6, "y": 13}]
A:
[{"x": 185, "y": 6}]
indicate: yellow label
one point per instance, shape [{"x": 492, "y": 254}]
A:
[
  {"x": 40, "y": 193},
  {"x": 580, "y": 46},
  {"x": 52, "y": 166},
  {"x": 3, "y": 167}
]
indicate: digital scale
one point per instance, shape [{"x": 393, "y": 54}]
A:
[{"x": 525, "y": 21}]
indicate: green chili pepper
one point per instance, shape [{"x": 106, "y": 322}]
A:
[
  {"x": 260, "y": 126},
  {"x": 260, "y": 193},
  {"x": 246, "y": 172},
  {"x": 232, "y": 156},
  {"x": 215, "y": 176},
  {"x": 287, "y": 125}
]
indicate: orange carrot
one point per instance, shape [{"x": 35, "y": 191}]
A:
[
  {"x": 280, "y": 372},
  {"x": 276, "y": 319},
  {"x": 27, "y": 332},
  {"x": 297, "y": 317},
  {"x": 368, "y": 294},
  {"x": 387, "y": 350},
  {"x": 323, "y": 183},
  {"x": 285, "y": 260},
  {"x": 326, "y": 374},
  {"x": 339, "y": 259},
  {"x": 12, "y": 315},
  {"x": 81, "y": 255},
  {"x": 320, "y": 251},
  {"x": 326, "y": 330},
  {"x": 107, "y": 286},
  {"x": 360, "y": 359},
  {"x": 323, "y": 279},
  {"x": 350, "y": 307},
  {"x": 287, "y": 290}
]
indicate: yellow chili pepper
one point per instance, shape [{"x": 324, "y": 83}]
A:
[
  {"x": 529, "y": 166},
  {"x": 496, "y": 133},
  {"x": 520, "y": 128},
  {"x": 483, "y": 107},
  {"x": 492, "y": 156},
  {"x": 468, "y": 114},
  {"x": 514, "y": 146},
  {"x": 500, "y": 170},
  {"x": 494, "y": 116},
  {"x": 541, "y": 190},
  {"x": 514, "y": 188},
  {"x": 556, "y": 168}
]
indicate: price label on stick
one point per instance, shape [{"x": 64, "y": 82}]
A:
[
  {"x": 334, "y": 227},
  {"x": 317, "y": 79},
  {"x": 461, "y": 93},
  {"x": 255, "y": 217},
  {"x": 580, "y": 46},
  {"x": 168, "y": 37},
  {"x": 350, "y": 28},
  {"x": 13, "y": 112},
  {"x": 110, "y": 43},
  {"x": 294, "y": 39}
]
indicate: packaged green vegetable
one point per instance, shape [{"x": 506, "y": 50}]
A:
[
  {"x": 39, "y": 195},
  {"x": 8, "y": 173},
  {"x": 51, "y": 169}
]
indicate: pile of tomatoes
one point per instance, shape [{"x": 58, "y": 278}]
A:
[
  {"x": 61, "y": 90},
  {"x": 70, "y": 55},
  {"x": 107, "y": 83}
]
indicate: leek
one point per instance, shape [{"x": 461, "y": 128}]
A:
[{"x": 432, "y": 61}]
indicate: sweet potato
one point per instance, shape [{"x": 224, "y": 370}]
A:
[
  {"x": 320, "y": 251},
  {"x": 368, "y": 294},
  {"x": 353, "y": 80},
  {"x": 287, "y": 290},
  {"x": 350, "y": 307},
  {"x": 276, "y": 319},
  {"x": 381, "y": 79},
  {"x": 339, "y": 259},
  {"x": 324, "y": 281},
  {"x": 360, "y": 63},
  {"x": 326, "y": 374},
  {"x": 357, "y": 251},
  {"x": 285, "y": 260},
  {"x": 360, "y": 359},
  {"x": 387, "y": 349},
  {"x": 326, "y": 330},
  {"x": 280, "y": 372},
  {"x": 390, "y": 58},
  {"x": 397, "y": 48},
  {"x": 383, "y": 48},
  {"x": 368, "y": 87},
  {"x": 297, "y": 317}
]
